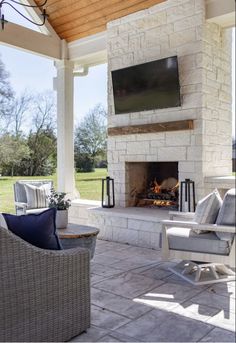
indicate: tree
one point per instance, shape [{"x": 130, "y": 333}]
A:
[
  {"x": 12, "y": 151},
  {"x": 44, "y": 110},
  {"x": 91, "y": 138},
  {"x": 19, "y": 108},
  {"x": 42, "y": 139},
  {"x": 42, "y": 159},
  {"x": 6, "y": 93}
]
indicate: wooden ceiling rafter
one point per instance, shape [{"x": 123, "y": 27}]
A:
[
  {"x": 98, "y": 16},
  {"x": 57, "y": 11},
  {"x": 98, "y": 7},
  {"x": 75, "y": 19},
  {"x": 71, "y": 35}
]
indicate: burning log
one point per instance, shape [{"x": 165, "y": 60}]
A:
[{"x": 164, "y": 195}]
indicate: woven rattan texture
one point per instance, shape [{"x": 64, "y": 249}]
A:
[{"x": 44, "y": 294}]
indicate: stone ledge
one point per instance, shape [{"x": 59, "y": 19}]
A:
[
  {"x": 84, "y": 202},
  {"x": 221, "y": 181},
  {"x": 146, "y": 214}
]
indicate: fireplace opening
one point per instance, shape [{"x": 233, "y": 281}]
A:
[{"x": 153, "y": 184}]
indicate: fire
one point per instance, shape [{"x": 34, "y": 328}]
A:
[
  {"x": 156, "y": 187},
  {"x": 163, "y": 195},
  {"x": 175, "y": 187},
  {"x": 163, "y": 203}
]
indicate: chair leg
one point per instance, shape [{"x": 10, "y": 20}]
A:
[
  {"x": 198, "y": 274},
  {"x": 222, "y": 269},
  {"x": 204, "y": 273},
  {"x": 189, "y": 268},
  {"x": 213, "y": 270}
]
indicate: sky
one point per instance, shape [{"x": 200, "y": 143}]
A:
[
  {"x": 36, "y": 73},
  {"x": 28, "y": 71}
]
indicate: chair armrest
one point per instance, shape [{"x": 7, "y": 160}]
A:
[
  {"x": 194, "y": 225},
  {"x": 21, "y": 204},
  {"x": 186, "y": 215}
]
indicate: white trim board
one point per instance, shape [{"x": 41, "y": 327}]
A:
[
  {"x": 89, "y": 51},
  {"x": 23, "y": 38}
]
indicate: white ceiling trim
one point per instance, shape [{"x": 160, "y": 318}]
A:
[
  {"x": 89, "y": 51},
  {"x": 221, "y": 12}
]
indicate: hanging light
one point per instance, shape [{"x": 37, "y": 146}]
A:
[{"x": 12, "y": 3}]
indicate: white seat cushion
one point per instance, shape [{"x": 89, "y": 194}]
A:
[
  {"x": 36, "y": 210},
  {"x": 186, "y": 239}
]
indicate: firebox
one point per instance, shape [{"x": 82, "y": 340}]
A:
[{"x": 152, "y": 184}]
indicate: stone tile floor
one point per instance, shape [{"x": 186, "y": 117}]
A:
[{"x": 135, "y": 298}]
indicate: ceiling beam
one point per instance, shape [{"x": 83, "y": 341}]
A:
[
  {"x": 32, "y": 41},
  {"x": 89, "y": 51}
]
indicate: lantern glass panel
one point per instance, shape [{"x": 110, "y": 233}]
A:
[{"x": 108, "y": 197}]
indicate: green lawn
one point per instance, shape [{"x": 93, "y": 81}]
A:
[{"x": 88, "y": 184}]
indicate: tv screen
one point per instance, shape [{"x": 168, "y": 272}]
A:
[{"x": 147, "y": 86}]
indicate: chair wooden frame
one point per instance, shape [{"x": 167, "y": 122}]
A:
[{"x": 213, "y": 261}]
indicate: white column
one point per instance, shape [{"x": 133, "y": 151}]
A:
[{"x": 65, "y": 127}]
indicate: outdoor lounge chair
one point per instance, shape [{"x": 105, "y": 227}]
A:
[
  {"x": 21, "y": 201},
  {"x": 206, "y": 256},
  {"x": 45, "y": 294}
]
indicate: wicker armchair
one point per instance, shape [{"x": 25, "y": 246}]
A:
[{"x": 45, "y": 294}]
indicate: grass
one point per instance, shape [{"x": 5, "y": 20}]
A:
[{"x": 89, "y": 186}]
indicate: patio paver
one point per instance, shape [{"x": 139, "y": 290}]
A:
[
  {"x": 219, "y": 335},
  {"x": 146, "y": 303}
]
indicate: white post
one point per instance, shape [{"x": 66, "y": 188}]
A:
[{"x": 65, "y": 127}]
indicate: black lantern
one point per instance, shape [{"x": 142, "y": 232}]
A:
[
  {"x": 108, "y": 195},
  {"x": 187, "y": 196}
]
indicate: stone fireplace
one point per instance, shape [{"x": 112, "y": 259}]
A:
[
  {"x": 146, "y": 164},
  {"x": 198, "y": 151},
  {"x": 152, "y": 185}
]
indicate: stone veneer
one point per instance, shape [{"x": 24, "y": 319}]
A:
[{"x": 175, "y": 27}]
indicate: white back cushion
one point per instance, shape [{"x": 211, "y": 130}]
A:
[
  {"x": 207, "y": 208},
  {"x": 227, "y": 215},
  {"x": 37, "y": 196}
]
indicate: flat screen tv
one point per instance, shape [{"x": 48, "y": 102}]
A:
[{"x": 147, "y": 86}]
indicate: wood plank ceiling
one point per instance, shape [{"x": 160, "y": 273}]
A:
[{"x": 74, "y": 19}]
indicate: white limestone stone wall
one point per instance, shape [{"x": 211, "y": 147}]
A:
[{"x": 175, "y": 27}]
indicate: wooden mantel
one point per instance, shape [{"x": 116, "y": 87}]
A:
[{"x": 151, "y": 128}]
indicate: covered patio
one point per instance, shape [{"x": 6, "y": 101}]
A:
[
  {"x": 134, "y": 297},
  {"x": 119, "y": 33}
]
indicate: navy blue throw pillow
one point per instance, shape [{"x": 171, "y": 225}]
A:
[{"x": 37, "y": 229}]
